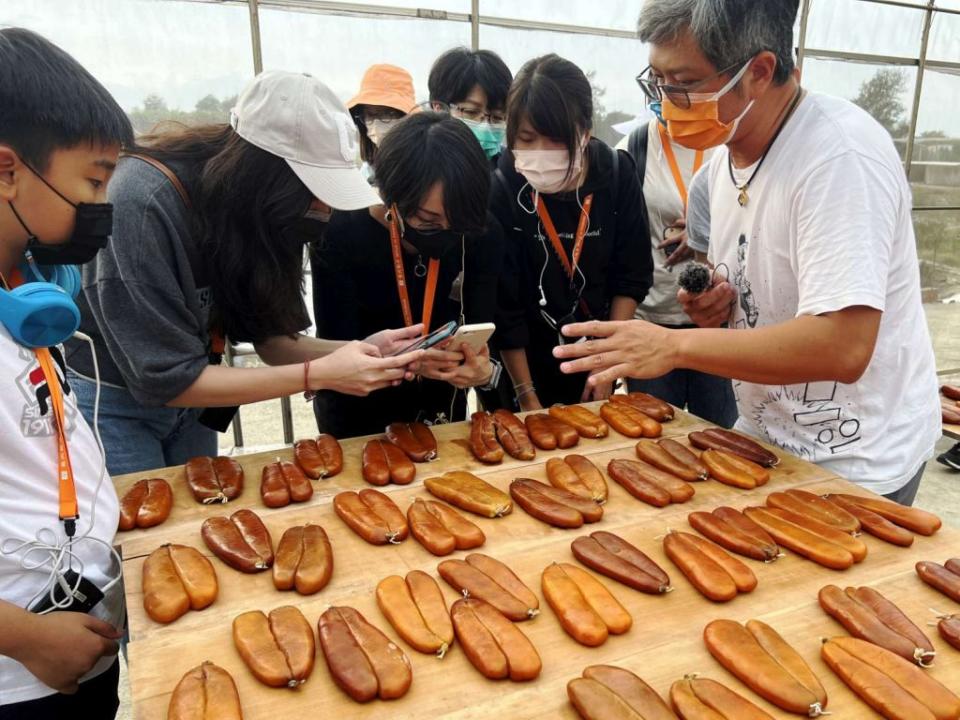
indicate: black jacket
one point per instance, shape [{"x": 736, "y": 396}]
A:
[
  {"x": 616, "y": 258},
  {"x": 355, "y": 295}
]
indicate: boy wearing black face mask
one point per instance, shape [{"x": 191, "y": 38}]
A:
[
  {"x": 60, "y": 136},
  {"x": 430, "y": 254}
]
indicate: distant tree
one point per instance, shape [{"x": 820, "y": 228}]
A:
[
  {"x": 880, "y": 96},
  {"x": 154, "y": 110},
  {"x": 602, "y": 120}
]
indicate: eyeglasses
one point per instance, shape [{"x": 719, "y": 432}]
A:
[
  {"x": 385, "y": 115},
  {"x": 679, "y": 95},
  {"x": 497, "y": 117}
]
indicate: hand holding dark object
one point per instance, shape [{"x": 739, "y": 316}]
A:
[
  {"x": 674, "y": 244},
  {"x": 695, "y": 278},
  {"x": 392, "y": 341},
  {"x": 711, "y": 307},
  {"x": 357, "y": 369}
]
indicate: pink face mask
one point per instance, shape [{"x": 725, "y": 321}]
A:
[{"x": 548, "y": 171}]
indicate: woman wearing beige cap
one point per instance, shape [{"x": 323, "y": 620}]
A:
[
  {"x": 386, "y": 96},
  {"x": 209, "y": 230}
]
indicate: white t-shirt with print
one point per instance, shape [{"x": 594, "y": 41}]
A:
[
  {"x": 664, "y": 208},
  {"x": 828, "y": 226},
  {"x": 29, "y": 499}
]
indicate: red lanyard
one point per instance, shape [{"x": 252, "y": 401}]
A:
[
  {"x": 433, "y": 274},
  {"x": 68, "y": 507},
  {"x": 555, "y": 239},
  {"x": 675, "y": 167}
]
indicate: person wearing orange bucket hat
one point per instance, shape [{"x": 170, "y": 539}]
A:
[{"x": 386, "y": 96}]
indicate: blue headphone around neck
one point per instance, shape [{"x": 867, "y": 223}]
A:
[{"x": 42, "y": 311}]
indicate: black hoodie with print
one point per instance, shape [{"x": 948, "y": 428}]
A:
[{"x": 616, "y": 260}]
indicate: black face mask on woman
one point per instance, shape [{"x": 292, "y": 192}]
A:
[
  {"x": 435, "y": 243},
  {"x": 304, "y": 230}
]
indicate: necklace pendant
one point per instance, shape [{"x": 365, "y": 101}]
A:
[
  {"x": 743, "y": 198},
  {"x": 420, "y": 270}
]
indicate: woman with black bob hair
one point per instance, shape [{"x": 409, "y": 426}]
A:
[
  {"x": 429, "y": 255},
  {"x": 208, "y": 243},
  {"x": 577, "y": 247},
  {"x": 473, "y": 84}
]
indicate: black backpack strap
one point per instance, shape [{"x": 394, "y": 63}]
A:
[{"x": 637, "y": 147}]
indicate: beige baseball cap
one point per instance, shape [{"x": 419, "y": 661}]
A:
[{"x": 297, "y": 117}]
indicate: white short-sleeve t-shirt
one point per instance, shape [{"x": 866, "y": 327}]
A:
[
  {"x": 29, "y": 500},
  {"x": 664, "y": 208},
  {"x": 828, "y": 226}
]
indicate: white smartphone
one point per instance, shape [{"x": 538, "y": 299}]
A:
[{"x": 476, "y": 336}]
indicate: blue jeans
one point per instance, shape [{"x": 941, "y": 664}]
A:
[
  {"x": 706, "y": 396},
  {"x": 136, "y": 437}
]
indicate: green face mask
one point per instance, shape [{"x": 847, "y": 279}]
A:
[{"x": 489, "y": 136}]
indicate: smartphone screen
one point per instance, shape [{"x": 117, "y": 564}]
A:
[{"x": 428, "y": 341}]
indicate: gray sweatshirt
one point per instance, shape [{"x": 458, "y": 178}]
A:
[{"x": 144, "y": 300}]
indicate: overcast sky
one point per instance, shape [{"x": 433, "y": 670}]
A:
[{"x": 185, "y": 50}]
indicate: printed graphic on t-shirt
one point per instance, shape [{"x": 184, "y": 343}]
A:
[
  {"x": 36, "y": 417},
  {"x": 747, "y": 302},
  {"x": 811, "y": 420},
  {"x": 204, "y": 297}
]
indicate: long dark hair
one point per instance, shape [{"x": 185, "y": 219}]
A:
[
  {"x": 242, "y": 199},
  {"x": 555, "y": 96},
  {"x": 368, "y": 151}
]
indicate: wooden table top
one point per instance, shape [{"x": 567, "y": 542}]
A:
[{"x": 664, "y": 644}]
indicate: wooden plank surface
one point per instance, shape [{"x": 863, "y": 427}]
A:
[
  {"x": 663, "y": 645},
  {"x": 951, "y": 431}
]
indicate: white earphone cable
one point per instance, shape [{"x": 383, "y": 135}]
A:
[{"x": 60, "y": 554}]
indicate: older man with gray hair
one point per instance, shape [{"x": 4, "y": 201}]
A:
[{"x": 815, "y": 307}]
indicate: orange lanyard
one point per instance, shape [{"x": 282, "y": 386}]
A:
[
  {"x": 555, "y": 239},
  {"x": 675, "y": 167},
  {"x": 68, "y": 490},
  {"x": 433, "y": 274},
  {"x": 68, "y": 506}
]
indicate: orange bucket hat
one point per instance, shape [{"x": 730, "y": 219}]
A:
[{"x": 386, "y": 85}]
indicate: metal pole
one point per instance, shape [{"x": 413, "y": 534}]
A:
[
  {"x": 286, "y": 416},
  {"x": 802, "y": 40},
  {"x": 918, "y": 87},
  {"x": 235, "y": 423},
  {"x": 475, "y": 24},
  {"x": 255, "y": 36}
]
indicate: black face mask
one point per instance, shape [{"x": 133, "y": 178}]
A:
[
  {"x": 432, "y": 244},
  {"x": 92, "y": 228},
  {"x": 303, "y": 231}
]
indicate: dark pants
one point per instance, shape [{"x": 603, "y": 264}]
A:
[
  {"x": 907, "y": 494},
  {"x": 95, "y": 700},
  {"x": 707, "y": 396}
]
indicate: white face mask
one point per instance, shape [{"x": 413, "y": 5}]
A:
[
  {"x": 376, "y": 129},
  {"x": 548, "y": 171}
]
